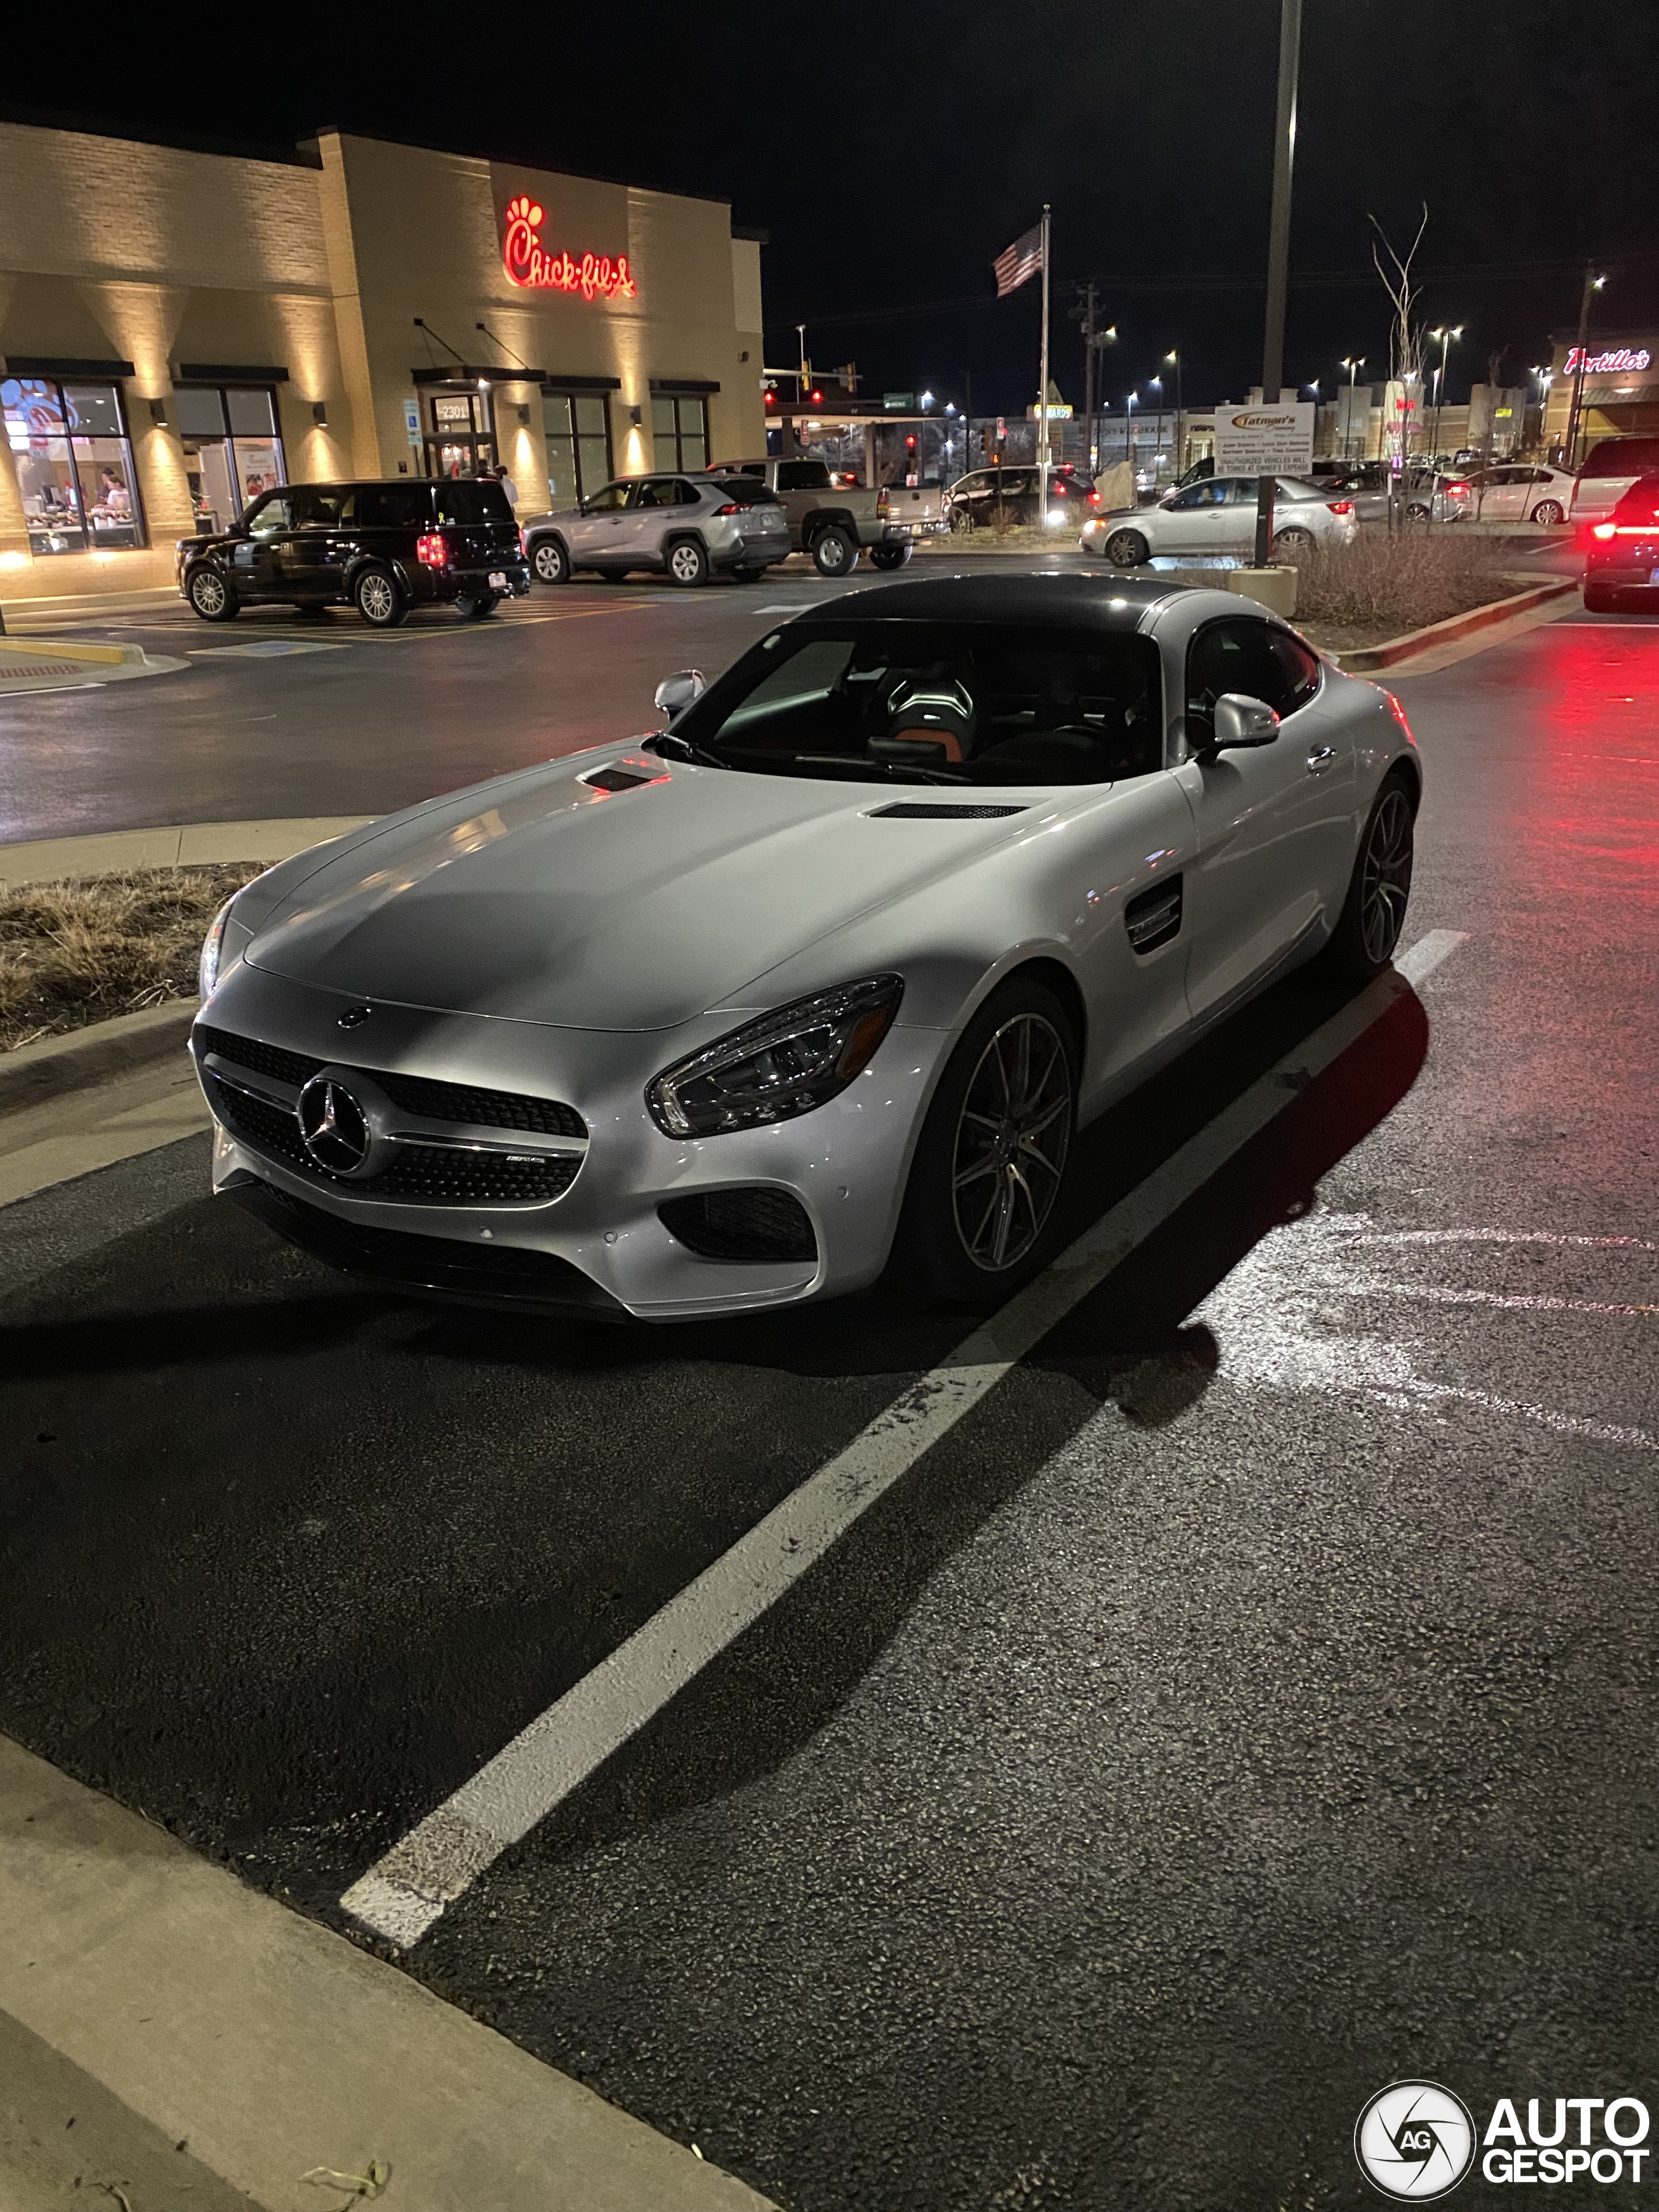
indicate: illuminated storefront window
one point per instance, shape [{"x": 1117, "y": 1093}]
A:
[
  {"x": 74, "y": 465},
  {"x": 578, "y": 445},
  {"x": 233, "y": 451},
  {"x": 679, "y": 423},
  {"x": 461, "y": 433}
]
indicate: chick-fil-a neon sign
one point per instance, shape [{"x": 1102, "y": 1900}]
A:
[{"x": 595, "y": 275}]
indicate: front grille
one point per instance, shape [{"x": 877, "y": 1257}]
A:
[
  {"x": 404, "y": 1259},
  {"x": 420, "y": 1175},
  {"x": 486, "y": 1109},
  {"x": 258, "y": 1059},
  {"x": 922, "y": 810},
  {"x": 754, "y": 1224}
]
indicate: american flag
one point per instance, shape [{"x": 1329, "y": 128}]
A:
[{"x": 1018, "y": 261}]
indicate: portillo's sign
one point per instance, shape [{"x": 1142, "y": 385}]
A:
[
  {"x": 527, "y": 263},
  {"x": 1620, "y": 361}
]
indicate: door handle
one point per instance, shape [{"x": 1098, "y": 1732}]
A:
[{"x": 1320, "y": 759}]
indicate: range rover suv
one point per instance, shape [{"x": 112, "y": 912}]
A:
[{"x": 381, "y": 547}]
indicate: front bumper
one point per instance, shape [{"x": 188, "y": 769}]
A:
[{"x": 601, "y": 1247}]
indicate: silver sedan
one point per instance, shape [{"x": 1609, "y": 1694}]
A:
[
  {"x": 821, "y": 981},
  {"x": 1217, "y": 515}
]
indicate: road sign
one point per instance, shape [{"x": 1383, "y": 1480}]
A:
[
  {"x": 412, "y": 421},
  {"x": 1257, "y": 441},
  {"x": 900, "y": 400}
]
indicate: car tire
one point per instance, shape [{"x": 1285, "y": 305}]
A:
[
  {"x": 687, "y": 563},
  {"x": 475, "y": 610},
  {"x": 551, "y": 562},
  {"x": 834, "y": 552},
  {"x": 747, "y": 576},
  {"x": 961, "y": 521},
  {"x": 210, "y": 595},
  {"x": 379, "y": 598},
  {"x": 1289, "y": 544},
  {"x": 1374, "y": 913},
  {"x": 946, "y": 1244},
  {"x": 1549, "y": 510},
  {"x": 1599, "y": 599},
  {"x": 891, "y": 556},
  {"x": 1127, "y": 548},
  {"x": 1415, "y": 512}
]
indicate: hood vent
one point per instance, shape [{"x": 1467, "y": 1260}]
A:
[
  {"x": 618, "y": 779},
  {"x": 922, "y": 810}
]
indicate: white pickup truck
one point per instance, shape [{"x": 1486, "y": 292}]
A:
[{"x": 830, "y": 522}]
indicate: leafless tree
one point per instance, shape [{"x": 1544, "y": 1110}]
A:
[{"x": 1406, "y": 335}]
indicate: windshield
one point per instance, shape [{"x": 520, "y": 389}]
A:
[{"x": 936, "y": 703}]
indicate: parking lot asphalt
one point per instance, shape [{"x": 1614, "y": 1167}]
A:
[{"x": 1248, "y": 1704}]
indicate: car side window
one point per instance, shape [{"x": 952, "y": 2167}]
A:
[
  {"x": 1233, "y": 655},
  {"x": 324, "y": 507},
  {"x": 271, "y": 517},
  {"x": 655, "y": 491},
  {"x": 1302, "y": 674},
  {"x": 394, "y": 506},
  {"x": 1197, "y": 495},
  {"x": 610, "y": 499},
  {"x": 684, "y": 494},
  {"x": 803, "y": 476}
]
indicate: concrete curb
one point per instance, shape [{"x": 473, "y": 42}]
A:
[
  {"x": 55, "y": 1064},
  {"x": 1361, "y": 659},
  {"x": 108, "y": 655},
  {"x": 237, "y": 2040}
]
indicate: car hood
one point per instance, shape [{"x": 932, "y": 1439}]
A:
[{"x": 543, "y": 899}]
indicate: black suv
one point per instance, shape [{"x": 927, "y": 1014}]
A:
[{"x": 380, "y": 547}]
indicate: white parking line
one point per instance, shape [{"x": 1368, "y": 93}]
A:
[{"x": 406, "y": 1891}]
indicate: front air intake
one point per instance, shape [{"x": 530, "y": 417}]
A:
[{"x": 754, "y": 1224}]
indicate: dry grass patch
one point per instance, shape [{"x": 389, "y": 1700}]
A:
[
  {"x": 1383, "y": 584},
  {"x": 81, "y": 951}
]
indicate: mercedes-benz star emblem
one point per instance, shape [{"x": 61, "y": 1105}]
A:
[
  {"x": 354, "y": 1017},
  {"x": 333, "y": 1126}
]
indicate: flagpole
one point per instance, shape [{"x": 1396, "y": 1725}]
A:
[{"x": 1042, "y": 384}]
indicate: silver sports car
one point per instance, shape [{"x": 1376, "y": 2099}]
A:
[{"x": 821, "y": 980}]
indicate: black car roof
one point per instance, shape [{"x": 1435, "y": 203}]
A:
[{"x": 1103, "y": 602}]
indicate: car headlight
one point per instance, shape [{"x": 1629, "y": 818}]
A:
[
  {"x": 207, "y": 972},
  {"x": 789, "y": 1061}
]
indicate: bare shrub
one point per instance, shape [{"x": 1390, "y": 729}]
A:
[
  {"x": 1398, "y": 581},
  {"x": 77, "y": 951}
]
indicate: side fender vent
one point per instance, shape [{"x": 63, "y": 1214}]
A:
[
  {"x": 922, "y": 810},
  {"x": 1153, "y": 917},
  {"x": 617, "y": 779}
]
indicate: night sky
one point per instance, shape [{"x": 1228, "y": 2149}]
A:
[{"x": 891, "y": 151}]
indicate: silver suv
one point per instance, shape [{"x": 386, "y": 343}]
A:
[{"x": 683, "y": 528}]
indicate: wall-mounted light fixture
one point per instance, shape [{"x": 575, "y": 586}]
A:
[
  {"x": 158, "y": 413},
  {"x": 637, "y": 414},
  {"x": 524, "y": 415},
  {"x": 320, "y": 413}
]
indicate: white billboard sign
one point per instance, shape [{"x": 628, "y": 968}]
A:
[{"x": 1264, "y": 441}]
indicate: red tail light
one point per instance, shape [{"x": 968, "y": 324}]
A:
[
  {"x": 730, "y": 508},
  {"x": 1340, "y": 506},
  {"x": 1606, "y": 530},
  {"x": 1462, "y": 488},
  {"x": 431, "y": 551},
  {"x": 1094, "y": 499}
]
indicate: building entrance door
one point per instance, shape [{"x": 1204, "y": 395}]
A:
[{"x": 460, "y": 441}]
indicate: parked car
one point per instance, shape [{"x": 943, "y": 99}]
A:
[
  {"x": 737, "y": 1016},
  {"x": 828, "y": 521},
  {"x": 1521, "y": 491},
  {"x": 1364, "y": 483},
  {"x": 687, "y": 528},
  {"x": 918, "y": 509},
  {"x": 381, "y": 546},
  {"x": 1621, "y": 563},
  {"x": 1434, "y": 497},
  {"x": 1216, "y": 515},
  {"x": 976, "y": 501},
  {"x": 1613, "y": 466}
]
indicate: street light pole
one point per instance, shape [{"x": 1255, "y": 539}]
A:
[
  {"x": 1129, "y": 430},
  {"x": 1174, "y": 354},
  {"x": 1353, "y": 367},
  {"x": 1278, "y": 251},
  {"x": 1592, "y": 285},
  {"x": 1157, "y": 383}
]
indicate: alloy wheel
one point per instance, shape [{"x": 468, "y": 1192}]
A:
[
  {"x": 1385, "y": 880},
  {"x": 376, "y": 597},
  {"x": 550, "y": 563},
  {"x": 1012, "y": 1136},
  {"x": 208, "y": 593},
  {"x": 686, "y": 564}
]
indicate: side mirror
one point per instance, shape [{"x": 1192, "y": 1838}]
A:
[
  {"x": 677, "y": 691},
  {"x": 1238, "y": 721}
]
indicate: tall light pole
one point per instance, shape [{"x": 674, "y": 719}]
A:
[
  {"x": 1593, "y": 284},
  {"x": 1174, "y": 357},
  {"x": 1157, "y": 383},
  {"x": 1445, "y": 337},
  {"x": 1354, "y": 364},
  {"x": 1129, "y": 428},
  {"x": 1546, "y": 378},
  {"x": 1278, "y": 251}
]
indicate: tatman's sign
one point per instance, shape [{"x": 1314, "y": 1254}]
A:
[{"x": 1253, "y": 441}]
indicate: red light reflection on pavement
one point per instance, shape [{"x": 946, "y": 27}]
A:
[{"x": 1590, "y": 821}]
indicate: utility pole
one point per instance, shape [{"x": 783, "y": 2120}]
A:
[
  {"x": 1089, "y": 375},
  {"x": 1593, "y": 284},
  {"x": 1279, "y": 252},
  {"x": 1043, "y": 383}
]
